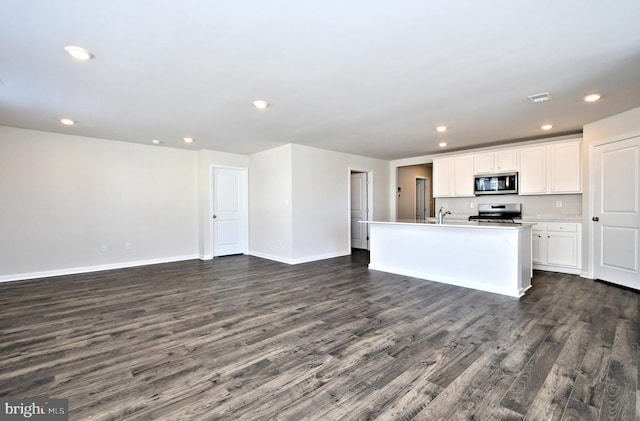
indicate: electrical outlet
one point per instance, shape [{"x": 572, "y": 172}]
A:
[{"x": 558, "y": 203}]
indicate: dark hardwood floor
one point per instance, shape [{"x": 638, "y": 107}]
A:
[{"x": 242, "y": 338}]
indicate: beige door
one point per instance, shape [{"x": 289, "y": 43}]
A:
[
  {"x": 229, "y": 221},
  {"x": 616, "y": 212},
  {"x": 359, "y": 232}
]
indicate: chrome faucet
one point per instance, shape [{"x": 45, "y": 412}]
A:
[{"x": 442, "y": 215}]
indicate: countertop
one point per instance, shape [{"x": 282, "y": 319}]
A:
[
  {"x": 526, "y": 217},
  {"x": 453, "y": 223},
  {"x": 552, "y": 218}
]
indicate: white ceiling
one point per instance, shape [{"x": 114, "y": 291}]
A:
[{"x": 370, "y": 77}]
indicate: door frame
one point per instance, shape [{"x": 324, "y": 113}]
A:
[
  {"x": 244, "y": 197},
  {"x": 369, "y": 173},
  {"x": 591, "y": 197}
]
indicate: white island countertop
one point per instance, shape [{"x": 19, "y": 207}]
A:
[{"x": 488, "y": 256}]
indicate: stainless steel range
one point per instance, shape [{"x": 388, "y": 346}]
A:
[{"x": 502, "y": 212}]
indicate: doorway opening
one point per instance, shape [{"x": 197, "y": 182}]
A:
[
  {"x": 359, "y": 208},
  {"x": 415, "y": 192}
]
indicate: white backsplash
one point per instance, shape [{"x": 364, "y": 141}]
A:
[{"x": 533, "y": 207}]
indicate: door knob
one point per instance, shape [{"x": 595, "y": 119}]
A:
[
  {"x": 215, "y": 216},
  {"x": 595, "y": 219}
]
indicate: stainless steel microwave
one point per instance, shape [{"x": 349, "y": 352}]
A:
[{"x": 506, "y": 183}]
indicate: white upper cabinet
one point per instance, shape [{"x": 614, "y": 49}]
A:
[
  {"x": 442, "y": 174},
  {"x": 566, "y": 168},
  {"x": 533, "y": 171},
  {"x": 496, "y": 162},
  {"x": 483, "y": 163},
  {"x": 551, "y": 169},
  {"x": 463, "y": 176},
  {"x": 507, "y": 160},
  {"x": 453, "y": 176}
]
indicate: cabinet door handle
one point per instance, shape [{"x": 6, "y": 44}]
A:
[{"x": 595, "y": 219}]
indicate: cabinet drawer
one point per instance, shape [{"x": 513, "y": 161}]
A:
[{"x": 562, "y": 227}]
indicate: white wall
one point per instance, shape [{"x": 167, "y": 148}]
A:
[
  {"x": 206, "y": 161},
  {"x": 299, "y": 201},
  {"x": 63, "y": 197},
  {"x": 270, "y": 204},
  {"x": 321, "y": 200},
  {"x": 617, "y": 127},
  {"x": 612, "y": 127}
]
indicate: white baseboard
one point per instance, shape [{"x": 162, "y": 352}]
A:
[
  {"x": 300, "y": 260},
  {"x": 122, "y": 265},
  {"x": 97, "y": 268},
  {"x": 560, "y": 269}
]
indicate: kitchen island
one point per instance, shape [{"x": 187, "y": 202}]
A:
[{"x": 492, "y": 257}]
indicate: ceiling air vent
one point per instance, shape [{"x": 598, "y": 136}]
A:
[{"x": 539, "y": 98}]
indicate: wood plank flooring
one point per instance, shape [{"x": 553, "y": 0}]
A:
[{"x": 243, "y": 338}]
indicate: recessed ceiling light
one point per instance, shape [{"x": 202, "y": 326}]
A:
[
  {"x": 441, "y": 129},
  {"x": 188, "y": 140},
  {"x": 155, "y": 141},
  {"x": 592, "y": 97},
  {"x": 442, "y": 144},
  {"x": 67, "y": 121},
  {"x": 260, "y": 104},
  {"x": 547, "y": 127},
  {"x": 78, "y": 53}
]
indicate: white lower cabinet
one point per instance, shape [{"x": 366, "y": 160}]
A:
[
  {"x": 556, "y": 246},
  {"x": 538, "y": 244}
]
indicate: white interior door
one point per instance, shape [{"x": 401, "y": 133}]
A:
[
  {"x": 616, "y": 213},
  {"x": 359, "y": 232},
  {"x": 228, "y": 212}
]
